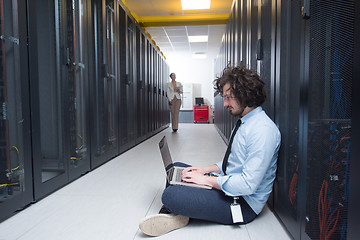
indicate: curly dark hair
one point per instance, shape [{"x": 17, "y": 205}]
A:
[{"x": 245, "y": 84}]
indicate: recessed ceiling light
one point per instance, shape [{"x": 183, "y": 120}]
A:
[
  {"x": 199, "y": 55},
  {"x": 195, "y": 4},
  {"x": 200, "y": 38}
]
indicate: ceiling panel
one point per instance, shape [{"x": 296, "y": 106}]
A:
[
  {"x": 174, "y": 39},
  {"x": 164, "y": 46},
  {"x": 160, "y": 39},
  {"x": 198, "y": 30},
  {"x": 199, "y": 45},
  {"x": 175, "y": 28},
  {"x": 181, "y": 44},
  {"x": 179, "y": 39},
  {"x": 176, "y": 33},
  {"x": 156, "y": 31}
]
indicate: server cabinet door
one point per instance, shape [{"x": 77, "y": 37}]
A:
[
  {"x": 140, "y": 95},
  {"x": 104, "y": 137},
  {"x": 153, "y": 102},
  {"x": 127, "y": 89},
  {"x": 157, "y": 90},
  {"x": 151, "y": 89},
  {"x": 147, "y": 88},
  {"x": 330, "y": 79},
  {"x": 288, "y": 186},
  {"x": 47, "y": 101},
  {"x": 15, "y": 153},
  {"x": 75, "y": 74},
  {"x": 262, "y": 51}
]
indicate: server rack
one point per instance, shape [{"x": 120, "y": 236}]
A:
[
  {"x": 15, "y": 143},
  {"x": 140, "y": 73},
  {"x": 48, "y": 97},
  {"x": 93, "y": 86},
  {"x": 126, "y": 82},
  {"x": 329, "y": 62},
  {"x": 165, "y": 104},
  {"x": 151, "y": 91},
  {"x": 353, "y": 230},
  {"x": 263, "y": 51},
  {"x": 74, "y": 74},
  {"x": 157, "y": 90},
  {"x": 104, "y": 137},
  {"x": 154, "y": 92},
  {"x": 147, "y": 89},
  {"x": 288, "y": 117},
  {"x": 304, "y": 51},
  {"x": 127, "y": 90}
]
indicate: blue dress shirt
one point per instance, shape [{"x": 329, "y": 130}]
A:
[{"x": 251, "y": 166}]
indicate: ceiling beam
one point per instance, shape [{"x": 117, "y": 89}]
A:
[{"x": 184, "y": 20}]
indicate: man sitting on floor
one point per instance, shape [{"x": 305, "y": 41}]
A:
[{"x": 244, "y": 177}]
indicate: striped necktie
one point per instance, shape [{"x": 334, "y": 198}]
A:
[{"x": 228, "y": 150}]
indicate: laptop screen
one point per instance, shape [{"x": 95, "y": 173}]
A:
[{"x": 165, "y": 153}]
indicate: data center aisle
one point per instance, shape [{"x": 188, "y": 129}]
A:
[{"x": 109, "y": 202}]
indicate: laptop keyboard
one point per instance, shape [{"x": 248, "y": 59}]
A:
[{"x": 178, "y": 175}]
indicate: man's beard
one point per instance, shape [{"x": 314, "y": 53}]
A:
[{"x": 237, "y": 113}]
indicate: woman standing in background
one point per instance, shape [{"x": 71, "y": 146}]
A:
[{"x": 174, "y": 89}]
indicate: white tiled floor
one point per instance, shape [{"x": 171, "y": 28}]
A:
[{"x": 109, "y": 202}]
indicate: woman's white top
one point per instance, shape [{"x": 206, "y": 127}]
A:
[{"x": 171, "y": 92}]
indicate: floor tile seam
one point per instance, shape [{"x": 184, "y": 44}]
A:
[
  {"x": 247, "y": 231},
  {"x": 152, "y": 202},
  {"x": 33, "y": 227}
]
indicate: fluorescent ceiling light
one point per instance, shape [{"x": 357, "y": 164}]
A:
[
  {"x": 199, "y": 55},
  {"x": 195, "y": 4},
  {"x": 200, "y": 38}
]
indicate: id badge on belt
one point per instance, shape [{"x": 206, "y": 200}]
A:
[{"x": 236, "y": 211}]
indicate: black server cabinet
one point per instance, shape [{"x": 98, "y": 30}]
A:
[
  {"x": 103, "y": 90},
  {"x": 127, "y": 86},
  {"x": 74, "y": 73},
  {"x": 262, "y": 50},
  {"x": 353, "y": 230},
  {"x": 164, "y": 99},
  {"x": 147, "y": 88},
  {"x": 254, "y": 31},
  {"x": 16, "y": 189},
  {"x": 151, "y": 89},
  {"x": 235, "y": 30},
  {"x": 140, "y": 89},
  {"x": 165, "y": 104},
  {"x": 314, "y": 66},
  {"x": 48, "y": 97},
  {"x": 155, "y": 79},
  {"x": 289, "y": 73},
  {"x": 162, "y": 92},
  {"x": 329, "y": 65},
  {"x": 131, "y": 91},
  {"x": 111, "y": 76},
  {"x": 244, "y": 32},
  {"x": 154, "y": 92},
  {"x": 157, "y": 91}
]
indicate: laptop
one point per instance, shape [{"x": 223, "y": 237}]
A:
[{"x": 174, "y": 172}]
